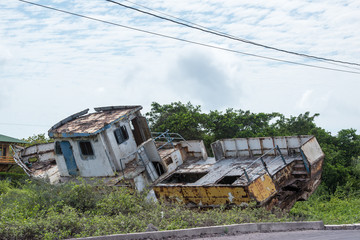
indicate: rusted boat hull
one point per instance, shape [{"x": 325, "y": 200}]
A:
[{"x": 294, "y": 177}]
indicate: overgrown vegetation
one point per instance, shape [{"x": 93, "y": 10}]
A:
[
  {"x": 37, "y": 210},
  {"x": 338, "y": 208},
  {"x": 37, "y": 139}
]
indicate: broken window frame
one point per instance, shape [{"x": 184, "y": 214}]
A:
[
  {"x": 89, "y": 150},
  {"x": 57, "y": 147},
  {"x": 121, "y": 134}
]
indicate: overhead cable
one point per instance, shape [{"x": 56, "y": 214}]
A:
[
  {"x": 188, "y": 41},
  {"x": 221, "y": 34}
]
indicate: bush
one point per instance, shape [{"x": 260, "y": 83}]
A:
[{"x": 38, "y": 210}]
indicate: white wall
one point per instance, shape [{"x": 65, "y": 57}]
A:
[
  {"x": 124, "y": 149},
  {"x": 177, "y": 161},
  {"x": 60, "y": 162},
  {"x": 94, "y": 166}
]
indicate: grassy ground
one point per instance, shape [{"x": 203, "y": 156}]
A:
[
  {"x": 335, "y": 209},
  {"x": 37, "y": 210}
]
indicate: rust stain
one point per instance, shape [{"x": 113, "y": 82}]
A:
[
  {"x": 203, "y": 195},
  {"x": 262, "y": 188}
]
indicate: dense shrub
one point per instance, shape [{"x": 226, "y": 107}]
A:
[
  {"x": 38, "y": 210},
  {"x": 338, "y": 208}
]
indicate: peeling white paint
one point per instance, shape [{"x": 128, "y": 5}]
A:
[{"x": 231, "y": 197}]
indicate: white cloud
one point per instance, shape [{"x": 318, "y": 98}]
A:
[{"x": 53, "y": 64}]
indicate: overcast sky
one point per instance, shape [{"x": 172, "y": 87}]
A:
[{"x": 53, "y": 64}]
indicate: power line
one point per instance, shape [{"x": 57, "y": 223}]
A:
[
  {"x": 221, "y": 34},
  {"x": 201, "y": 26},
  {"x": 188, "y": 41}
]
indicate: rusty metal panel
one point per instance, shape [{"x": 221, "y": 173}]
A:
[
  {"x": 169, "y": 194},
  {"x": 249, "y": 147},
  {"x": 193, "y": 149},
  {"x": 242, "y": 146},
  {"x": 43, "y": 152},
  {"x": 312, "y": 151},
  {"x": 145, "y": 130},
  {"x": 217, "y": 150},
  {"x": 316, "y": 168},
  {"x": 284, "y": 175},
  {"x": 203, "y": 195},
  {"x": 281, "y": 142},
  {"x": 262, "y": 188},
  {"x": 267, "y": 144},
  {"x": 231, "y": 149},
  {"x": 255, "y": 146}
]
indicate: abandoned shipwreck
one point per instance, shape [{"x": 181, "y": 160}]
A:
[{"x": 115, "y": 144}]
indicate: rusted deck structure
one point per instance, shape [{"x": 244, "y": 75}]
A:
[{"x": 274, "y": 171}]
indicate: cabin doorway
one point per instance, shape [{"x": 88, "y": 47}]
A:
[
  {"x": 68, "y": 154},
  {"x": 140, "y": 129}
]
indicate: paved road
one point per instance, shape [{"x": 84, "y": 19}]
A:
[{"x": 297, "y": 235}]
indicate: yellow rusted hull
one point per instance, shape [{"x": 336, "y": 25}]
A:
[
  {"x": 274, "y": 180},
  {"x": 262, "y": 188},
  {"x": 203, "y": 195}
]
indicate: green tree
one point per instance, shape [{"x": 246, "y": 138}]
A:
[
  {"x": 238, "y": 123},
  {"x": 184, "y": 119},
  {"x": 37, "y": 139},
  {"x": 300, "y": 125}
]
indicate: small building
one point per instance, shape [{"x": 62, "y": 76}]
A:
[{"x": 6, "y": 157}]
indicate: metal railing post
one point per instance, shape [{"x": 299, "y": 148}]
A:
[
  {"x": 247, "y": 176},
  {"x": 305, "y": 161},
  {"x": 282, "y": 157},
  {"x": 264, "y": 164}
]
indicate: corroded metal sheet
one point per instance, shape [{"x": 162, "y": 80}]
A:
[
  {"x": 249, "y": 147},
  {"x": 43, "y": 152},
  {"x": 202, "y": 195},
  {"x": 262, "y": 188},
  {"x": 312, "y": 151}
]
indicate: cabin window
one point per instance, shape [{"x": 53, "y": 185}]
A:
[
  {"x": 86, "y": 148},
  {"x": 159, "y": 168},
  {"x": 121, "y": 134},
  {"x": 3, "y": 151},
  {"x": 58, "y": 148}
]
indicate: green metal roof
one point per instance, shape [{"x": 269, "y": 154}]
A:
[{"x": 7, "y": 139}]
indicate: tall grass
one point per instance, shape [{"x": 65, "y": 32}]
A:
[
  {"x": 38, "y": 210},
  {"x": 338, "y": 208}
]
